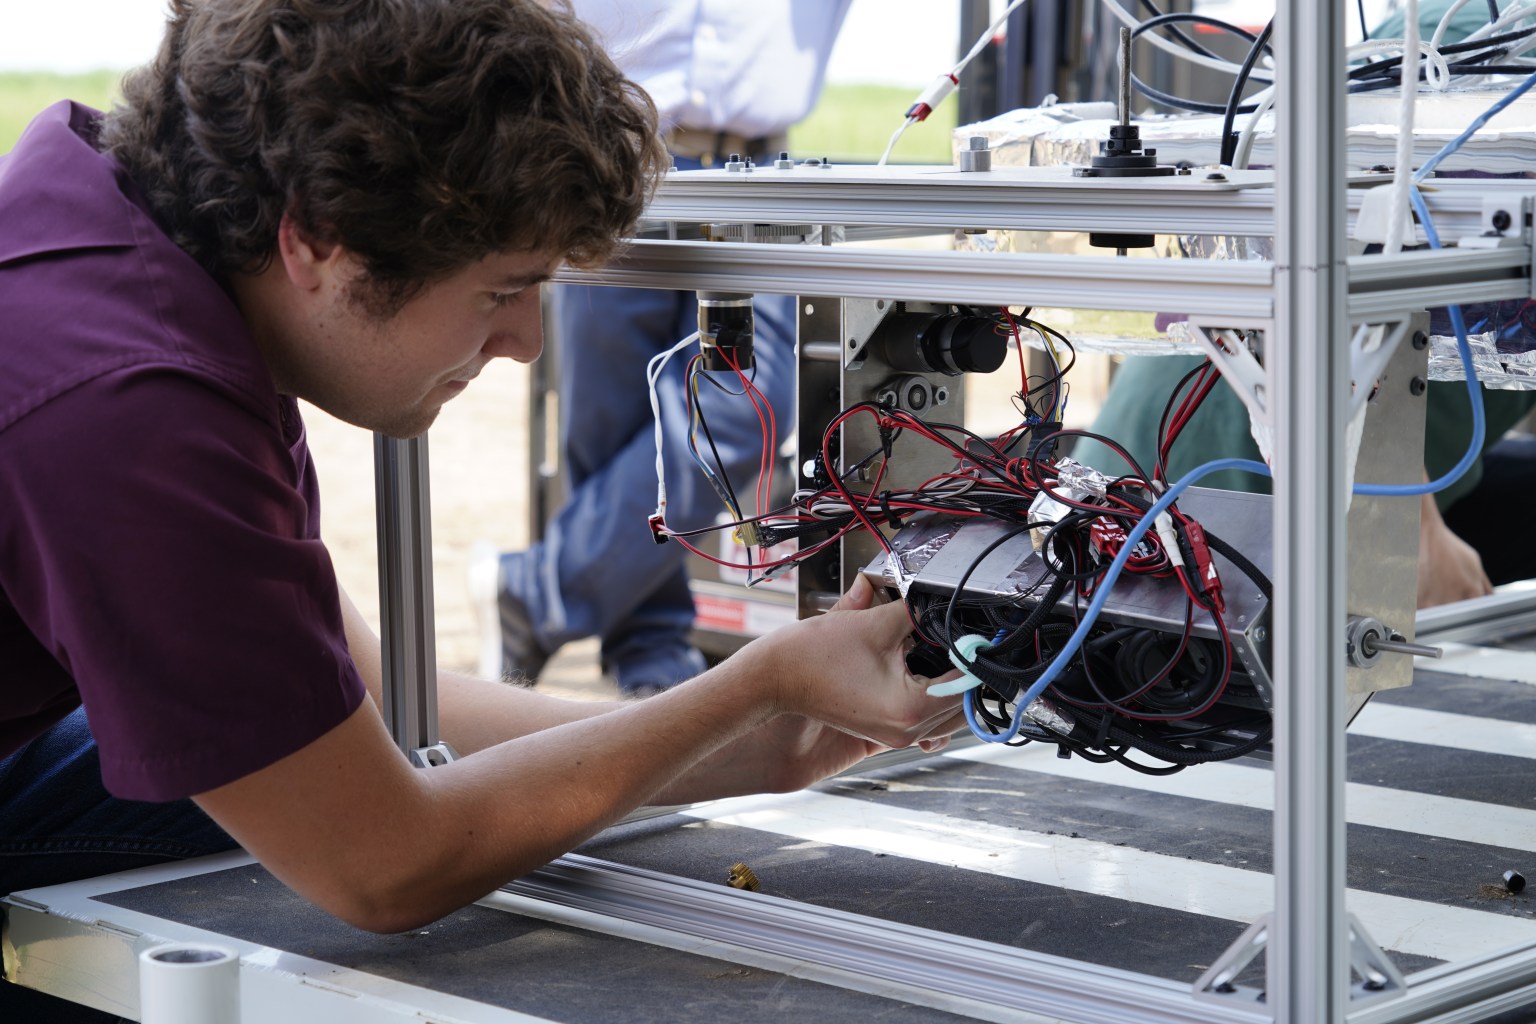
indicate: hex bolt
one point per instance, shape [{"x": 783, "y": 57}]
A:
[
  {"x": 783, "y": 163},
  {"x": 1514, "y": 881},
  {"x": 976, "y": 156},
  {"x": 1420, "y": 340},
  {"x": 1417, "y": 385}
]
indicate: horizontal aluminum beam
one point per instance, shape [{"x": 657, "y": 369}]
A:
[
  {"x": 1201, "y": 287},
  {"x": 1381, "y": 286},
  {"x": 1390, "y": 285},
  {"x": 980, "y": 972},
  {"x": 1029, "y": 199}
]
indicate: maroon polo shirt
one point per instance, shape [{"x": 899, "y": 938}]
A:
[{"x": 160, "y": 554}]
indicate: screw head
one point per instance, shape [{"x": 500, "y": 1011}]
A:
[
  {"x": 1420, "y": 340},
  {"x": 1502, "y": 220},
  {"x": 1417, "y": 386},
  {"x": 1215, "y": 176}
]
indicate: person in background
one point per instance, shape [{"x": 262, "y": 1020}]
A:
[{"x": 729, "y": 79}]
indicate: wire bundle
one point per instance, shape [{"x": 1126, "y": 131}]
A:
[{"x": 1174, "y": 697}]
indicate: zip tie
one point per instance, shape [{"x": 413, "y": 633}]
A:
[{"x": 963, "y": 655}]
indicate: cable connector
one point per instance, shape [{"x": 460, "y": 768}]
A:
[
  {"x": 658, "y": 528},
  {"x": 932, "y": 96},
  {"x": 1164, "y": 526},
  {"x": 749, "y": 534},
  {"x": 1206, "y": 576}
]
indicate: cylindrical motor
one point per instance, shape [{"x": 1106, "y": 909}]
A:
[
  {"x": 947, "y": 343},
  {"x": 725, "y": 330}
]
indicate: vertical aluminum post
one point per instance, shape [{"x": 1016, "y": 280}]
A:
[
  {"x": 1309, "y": 946},
  {"x": 408, "y": 649}
]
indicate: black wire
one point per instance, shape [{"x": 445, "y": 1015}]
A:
[
  {"x": 1234, "y": 98},
  {"x": 1179, "y": 33},
  {"x": 1194, "y": 19},
  {"x": 719, "y": 462},
  {"x": 1382, "y": 64},
  {"x": 1493, "y": 11}
]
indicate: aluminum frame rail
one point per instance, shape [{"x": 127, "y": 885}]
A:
[
  {"x": 1019, "y": 199},
  {"x": 909, "y": 957},
  {"x": 1311, "y": 292},
  {"x": 1505, "y": 613},
  {"x": 407, "y": 639},
  {"x": 1309, "y": 950},
  {"x": 1244, "y": 290}
]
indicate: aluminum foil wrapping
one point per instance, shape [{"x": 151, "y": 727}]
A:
[
  {"x": 1495, "y": 366},
  {"x": 903, "y": 564},
  {"x": 1075, "y": 476},
  {"x": 1046, "y": 713},
  {"x": 1046, "y": 509}
]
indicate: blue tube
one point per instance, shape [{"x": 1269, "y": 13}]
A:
[
  {"x": 1477, "y": 122},
  {"x": 1474, "y": 391}
]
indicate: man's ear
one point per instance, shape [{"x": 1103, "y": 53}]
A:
[{"x": 307, "y": 261}]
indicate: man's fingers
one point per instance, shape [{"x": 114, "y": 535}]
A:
[{"x": 859, "y": 596}]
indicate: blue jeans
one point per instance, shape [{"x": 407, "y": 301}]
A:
[
  {"x": 597, "y": 572},
  {"x": 58, "y": 824}
]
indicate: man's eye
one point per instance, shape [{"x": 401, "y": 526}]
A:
[{"x": 504, "y": 298}]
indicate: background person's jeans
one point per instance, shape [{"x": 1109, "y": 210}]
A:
[
  {"x": 59, "y": 824},
  {"x": 597, "y": 571}
]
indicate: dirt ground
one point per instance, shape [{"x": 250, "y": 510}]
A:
[{"x": 478, "y": 454}]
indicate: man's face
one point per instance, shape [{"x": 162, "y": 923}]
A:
[{"x": 393, "y": 374}]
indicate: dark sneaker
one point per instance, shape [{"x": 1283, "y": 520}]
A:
[
  {"x": 508, "y": 648},
  {"x": 657, "y": 671}
]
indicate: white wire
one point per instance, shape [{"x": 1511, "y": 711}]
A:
[
  {"x": 653, "y": 371},
  {"x": 1402, "y": 173},
  {"x": 986, "y": 37},
  {"x": 1177, "y": 49},
  {"x": 1506, "y": 20},
  {"x": 900, "y": 130},
  {"x": 1264, "y": 102},
  {"x": 1445, "y": 22}
]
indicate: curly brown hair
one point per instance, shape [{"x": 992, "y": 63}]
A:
[{"x": 421, "y": 135}]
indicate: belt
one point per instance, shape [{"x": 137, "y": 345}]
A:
[{"x": 710, "y": 148}]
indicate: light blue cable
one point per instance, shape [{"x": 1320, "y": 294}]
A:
[
  {"x": 1474, "y": 391},
  {"x": 1477, "y": 122},
  {"x": 1101, "y": 593}
]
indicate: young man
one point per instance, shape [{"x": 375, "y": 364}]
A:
[{"x": 352, "y": 203}]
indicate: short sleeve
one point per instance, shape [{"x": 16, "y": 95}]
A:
[{"x": 157, "y": 540}]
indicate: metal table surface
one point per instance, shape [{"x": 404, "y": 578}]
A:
[{"x": 1013, "y": 848}]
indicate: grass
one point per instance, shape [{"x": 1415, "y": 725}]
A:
[
  {"x": 853, "y": 123},
  {"x": 23, "y": 95}
]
